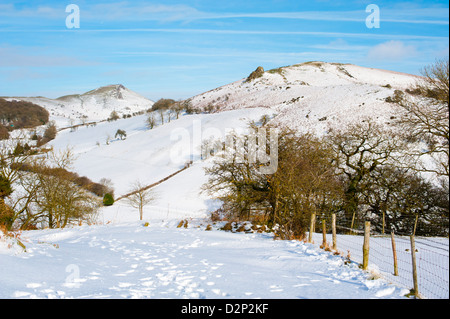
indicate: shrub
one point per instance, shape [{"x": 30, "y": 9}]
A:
[
  {"x": 50, "y": 132},
  {"x": 108, "y": 200},
  {"x": 184, "y": 223},
  {"x": 163, "y": 104},
  {"x": 99, "y": 189},
  {"x": 113, "y": 116},
  {"x": 121, "y": 134},
  {"x": 83, "y": 182},
  {"x": 397, "y": 98}
]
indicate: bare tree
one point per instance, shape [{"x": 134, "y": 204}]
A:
[
  {"x": 58, "y": 197},
  {"x": 177, "y": 108},
  {"x": 150, "y": 121},
  {"x": 425, "y": 117},
  {"x": 162, "y": 112},
  {"x": 436, "y": 80},
  {"x": 359, "y": 150},
  {"x": 140, "y": 197},
  {"x": 13, "y": 201}
]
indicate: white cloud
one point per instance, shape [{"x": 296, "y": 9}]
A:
[
  {"x": 392, "y": 50},
  {"x": 36, "y": 57}
]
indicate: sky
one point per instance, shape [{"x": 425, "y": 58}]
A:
[{"x": 177, "y": 49}]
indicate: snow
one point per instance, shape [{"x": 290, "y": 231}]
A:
[
  {"x": 125, "y": 259},
  {"x": 119, "y": 257}
]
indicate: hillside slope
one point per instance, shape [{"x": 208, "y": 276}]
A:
[
  {"x": 313, "y": 95},
  {"x": 151, "y": 155}
]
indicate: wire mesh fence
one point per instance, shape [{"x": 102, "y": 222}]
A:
[{"x": 431, "y": 252}]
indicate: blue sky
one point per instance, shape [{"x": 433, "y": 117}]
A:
[{"x": 176, "y": 49}]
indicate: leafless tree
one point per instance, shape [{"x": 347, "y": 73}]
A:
[
  {"x": 150, "y": 121},
  {"x": 359, "y": 150},
  {"x": 425, "y": 117},
  {"x": 140, "y": 197}
]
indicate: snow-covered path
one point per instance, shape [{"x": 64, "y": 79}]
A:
[{"x": 129, "y": 260}]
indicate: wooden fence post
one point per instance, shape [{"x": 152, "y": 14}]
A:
[
  {"x": 366, "y": 245},
  {"x": 414, "y": 267},
  {"x": 333, "y": 227},
  {"x": 394, "y": 253},
  {"x": 324, "y": 234},
  {"x": 311, "y": 227}
]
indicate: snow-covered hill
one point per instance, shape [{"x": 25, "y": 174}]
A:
[
  {"x": 313, "y": 95},
  {"x": 95, "y": 105},
  {"x": 120, "y": 258}
]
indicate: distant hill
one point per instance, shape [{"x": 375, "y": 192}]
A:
[{"x": 94, "y": 105}]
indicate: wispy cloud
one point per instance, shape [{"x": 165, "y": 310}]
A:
[
  {"x": 340, "y": 45},
  {"x": 392, "y": 50},
  {"x": 126, "y": 10},
  {"x": 138, "y": 11},
  {"x": 35, "y": 57},
  {"x": 46, "y": 12},
  {"x": 242, "y": 32}
]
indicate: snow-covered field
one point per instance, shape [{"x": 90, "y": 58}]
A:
[{"x": 122, "y": 258}]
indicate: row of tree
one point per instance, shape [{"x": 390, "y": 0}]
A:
[
  {"x": 166, "y": 109},
  {"x": 365, "y": 170}
]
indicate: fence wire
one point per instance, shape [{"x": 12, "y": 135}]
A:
[{"x": 432, "y": 254}]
